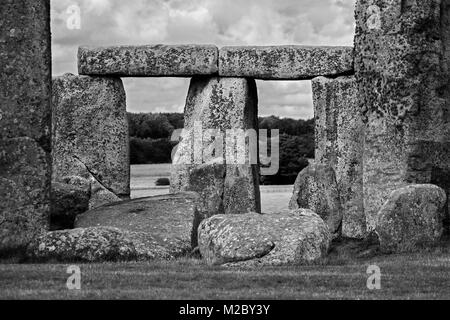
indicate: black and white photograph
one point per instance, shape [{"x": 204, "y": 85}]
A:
[{"x": 224, "y": 155}]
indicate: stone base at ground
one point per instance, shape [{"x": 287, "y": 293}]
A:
[
  {"x": 316, "y": 189},
  {"x": 412, "y": 217},
  {"x": 167, "y": 219},
  {"x": 294, "y": 237},
  {"x": 97, "y": 244}
]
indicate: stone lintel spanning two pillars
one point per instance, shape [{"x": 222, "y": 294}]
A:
[{"x": 256, "y": 62}]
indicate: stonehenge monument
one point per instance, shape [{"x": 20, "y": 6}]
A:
[{"x": 382, "y": 111}]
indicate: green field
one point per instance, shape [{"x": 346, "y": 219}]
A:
[{"x": 420, "y": 276}]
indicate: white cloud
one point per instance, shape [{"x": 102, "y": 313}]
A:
[{"x": 220, "y": 22}]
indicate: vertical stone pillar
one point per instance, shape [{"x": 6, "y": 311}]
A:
[
  {"x": 402, "y": 68},
  {"x": 339, "y": 138},
  {"x": 90, "y": 135},
  {"x": 25, "y": 119},
  {"x": 212, "y": 158}
]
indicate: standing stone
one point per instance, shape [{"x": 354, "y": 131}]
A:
[
  {"x": 402, "y": 67},
  {"x": 411, "y": 218},
  {"x": 25, "y": 120},
  {"x": 90, "y": 132},
  {"x": 206, "y": 160},
  {"x": 339, "y": 137}
]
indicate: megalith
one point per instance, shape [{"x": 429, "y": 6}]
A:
[
  {"x": 213, "y": 157},
  {"x": 339, "y": 135},
  {"x": 90, "y": 133},
  {"x": 25, "y": 120},
  {"x": 402, "y": 60}
]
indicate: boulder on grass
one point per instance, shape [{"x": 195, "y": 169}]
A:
[
  {"x": 411, "y": 218},
  {"x": 168, "y": 219},
  {"x": 252, "y": 239},
  {"x": 316, "y": 189},
  {"x": 96, "y": 245}
]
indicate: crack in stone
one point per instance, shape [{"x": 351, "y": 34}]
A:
[{"x": 93, "y": 175}]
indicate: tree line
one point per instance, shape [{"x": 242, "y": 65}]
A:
[{"x": 150, "y": 143}]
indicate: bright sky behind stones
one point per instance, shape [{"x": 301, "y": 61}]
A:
[{"x": 219, "y": 22}]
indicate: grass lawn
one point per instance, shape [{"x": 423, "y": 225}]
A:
[{"x": 424, "y": 276}]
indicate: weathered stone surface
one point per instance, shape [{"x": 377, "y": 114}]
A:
[
  {"x": 412, "y": 217},
  {"x": 168, "y": 219},
  {"x": 96, "y": 245},
  {"x": 67, "y": 201},
  {"x": 402, "y": 64},
  {"x": 285, "y": 62},
  {"x": 25, "y": 119},
  {"x": 207, "y": 159},
  {"x": 253, "y": 239},
  {"x": 208, "y": 181},
  {"x": 100, "y": 196},
  {"x": 90, "y": 131},
  {"x": 316, "y": 189},
  {"x": 149, "y": 61},
  {"x": 339, "y": 138},
  {"x": 24, "y": 181}
]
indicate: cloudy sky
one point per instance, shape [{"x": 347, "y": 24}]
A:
[{"x": 220, "y": 22}]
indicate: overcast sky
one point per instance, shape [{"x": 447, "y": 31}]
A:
[{"x": 219, "y": 22}]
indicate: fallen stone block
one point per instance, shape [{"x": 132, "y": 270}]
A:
[
  {"x": 316, "y": 189},
  {"x": 411, "y": 218},
  {"x": 294, "y": 237},
  {"x": 168, "y": 219},
  {"x": 148, "y": 61},
  {"x": 90, "y": 131},
  {"x": 25, "y": 120},
  {"x": 285, "y": 62},
  {"x": 97, "y": 244},
  {"x": 339, "y": 135}
]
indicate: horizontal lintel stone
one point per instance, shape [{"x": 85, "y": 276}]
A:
[
  {"x": 149, "y": 61},
  {"x": 285, "y": 62}
]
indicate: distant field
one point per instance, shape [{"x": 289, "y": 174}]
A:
[{"x": 143, "y": 178}]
